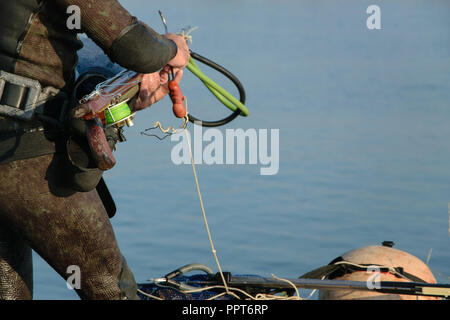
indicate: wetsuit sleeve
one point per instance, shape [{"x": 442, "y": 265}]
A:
[{"x": 127, "y": 41}]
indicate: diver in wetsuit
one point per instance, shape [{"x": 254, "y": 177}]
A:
[{"x": 37, "y": 211}]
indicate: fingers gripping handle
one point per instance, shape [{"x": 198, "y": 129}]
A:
[{"x": 177, "y": 99}]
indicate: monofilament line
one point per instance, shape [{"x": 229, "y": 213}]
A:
[{"x": 203, "y": 210}]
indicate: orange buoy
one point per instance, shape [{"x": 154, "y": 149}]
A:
[
  {"x": 378, "y": 263},
  {"x": 177, "y": 99}
]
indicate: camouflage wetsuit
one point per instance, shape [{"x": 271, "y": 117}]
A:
[{"x": 63, "y": 226}]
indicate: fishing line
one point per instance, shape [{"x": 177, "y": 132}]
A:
[
  {"x": 228, "y": 100},
  {"x": 232, "y": 290},
  {"x": 149, "y": 295},
  {"x": 203, "y": 210},
  {"x": 119, "y": 112},
  {"x": 214, "y": 251},
  {"x": 170, "y": 131}
]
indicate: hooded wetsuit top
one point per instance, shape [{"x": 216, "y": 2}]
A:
[
  {"x": 65, "y": 227},
  {"x": 36, "y": 40}
]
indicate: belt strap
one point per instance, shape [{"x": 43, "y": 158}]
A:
[{"x": 25, "y": 145}]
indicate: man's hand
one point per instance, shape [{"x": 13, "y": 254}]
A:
[
  {"x": 182, "y": 58},
  {"x": 155, "y": 86}
]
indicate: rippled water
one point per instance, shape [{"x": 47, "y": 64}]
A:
[{"x": 364, "y": 141}]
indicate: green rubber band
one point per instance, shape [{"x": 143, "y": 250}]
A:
[{"x": 220, "y": 93}]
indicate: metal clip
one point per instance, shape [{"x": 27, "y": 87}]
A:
[{"x": 30, "y": 92}]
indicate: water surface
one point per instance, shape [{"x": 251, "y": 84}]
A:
[{"x": 364, "y": 141}]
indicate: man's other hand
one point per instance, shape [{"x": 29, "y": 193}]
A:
[{"x": 155, "y": 86}]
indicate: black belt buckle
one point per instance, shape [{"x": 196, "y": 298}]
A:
[{"x": 19, "y": 96}]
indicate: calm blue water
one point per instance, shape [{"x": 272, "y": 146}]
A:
[{"x": 364, "y": 141}]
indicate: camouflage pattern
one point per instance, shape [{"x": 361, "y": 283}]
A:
[
  {"x": 64, "y": 227},
  {"x": 37, "y": 212},
  {"x": 16, "y": 269},
  {"x": 48, "y": 51}
]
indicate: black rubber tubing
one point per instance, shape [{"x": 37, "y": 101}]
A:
[{"x": 233, "y": 79}]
